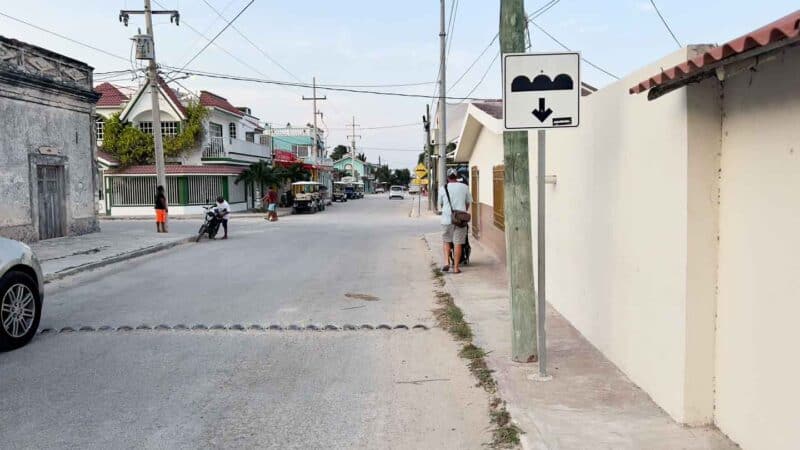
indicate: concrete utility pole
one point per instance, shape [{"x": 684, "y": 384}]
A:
[
  {"x": 353, "y": 147},
  {"x": 517, "y": 196},
  {"x": 426, "y": 123},
  {"x": 314, "y": 98},
  {"x": 152, "y": 77},
  {"x": 442, "y": 175}
]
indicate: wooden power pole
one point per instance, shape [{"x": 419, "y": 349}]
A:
[{"x": 518, "y": 205}]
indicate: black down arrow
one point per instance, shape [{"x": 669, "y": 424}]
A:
[{"x": 542, "y": 114}]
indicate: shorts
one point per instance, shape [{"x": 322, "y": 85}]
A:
[
  {"x": 271, "y": 207},
  {"x": 454, "y": 235},
  {"x": 161, "y": 216}
]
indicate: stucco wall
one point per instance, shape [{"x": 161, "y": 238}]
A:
[
  {"x": 617, "y": 227},
  {"x": 757, "y": 394},
  {"x": 34, "y": 119},
  {"x": 488, "y": 152}
]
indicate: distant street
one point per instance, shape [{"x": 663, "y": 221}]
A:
[{"x": 358, "y": 263}]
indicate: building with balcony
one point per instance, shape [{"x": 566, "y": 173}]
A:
[
  {"x": 299, "y": 142},
  {"x": 232, "y": 140}
]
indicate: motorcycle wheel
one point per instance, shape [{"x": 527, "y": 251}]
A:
[{"x": 200, "y": 233}]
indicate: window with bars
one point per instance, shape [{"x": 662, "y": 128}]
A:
[
  {"x": 99, "y": 128},
  {"x": 146, "y": 127},
  {"x": 232, "y": 130},
  {"x": 498, "y": 192},
  {"x": 301, "y": 150},
  {"x": 168, "y": 128}
]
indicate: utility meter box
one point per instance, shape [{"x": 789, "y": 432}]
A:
[{"x": 144, "y": 46}]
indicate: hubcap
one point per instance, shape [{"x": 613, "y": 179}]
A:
[{"x": 17, "y": 310}]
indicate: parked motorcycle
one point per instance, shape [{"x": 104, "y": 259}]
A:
[{"x": 211, "y": 223}]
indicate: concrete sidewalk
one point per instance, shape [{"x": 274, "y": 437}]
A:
[
  {"x": 240, "y": 214},
  {"x": 118, "y": 241},
  {"x": 589, "y": 403}
]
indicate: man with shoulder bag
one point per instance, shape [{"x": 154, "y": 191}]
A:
[{"x": 454, "y": 201}]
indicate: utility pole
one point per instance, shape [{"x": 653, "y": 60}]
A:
[
  {"x": 353, "y": 147},
  {"x": 441, "y": 168},
  {"x": 426, "y": 123},
  {"x": 517, "y": 206},
  {"x": 152, "y": 77},
  {"x": 314, "y": 98}
]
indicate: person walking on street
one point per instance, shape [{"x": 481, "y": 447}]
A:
[
  {"x": 454, "y": 197},
  {"x": 271, "y": 200},
  {"x": 161, "y": 210},
  {"x": 223, "y": 211}
]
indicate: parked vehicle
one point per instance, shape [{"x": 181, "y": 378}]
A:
[
  {"x": 211, "y": 223},
  {"x": 21, "y": 294},
  {"x": 325, "y": 195},
  {"x": 339, "y": 194},
  {"x": 350, "y": 191},
  {"x": 359, "y": 189},
  {"x": 306, "y": 197},
  {"x": 379, "y": 190},
  {"x": 396, "y": 192},
  {"x": 413, "y": 189}
]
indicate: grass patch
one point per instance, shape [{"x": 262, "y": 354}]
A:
[{"x": 450, "y": 318}]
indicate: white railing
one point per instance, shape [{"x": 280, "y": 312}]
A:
[
  {"x": 214, "y": 148},
  {"x": 248, "y": 148}
]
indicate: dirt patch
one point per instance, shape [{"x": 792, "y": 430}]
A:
[{"x": 365, "y": 297}]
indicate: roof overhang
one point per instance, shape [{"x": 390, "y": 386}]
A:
[
  {"x": 176, "y": 109},
  {"x": 474, "y": 121},
  {"x": 726, "y": 60}
]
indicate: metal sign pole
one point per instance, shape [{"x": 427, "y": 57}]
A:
[{"x": 541, "y": 301}]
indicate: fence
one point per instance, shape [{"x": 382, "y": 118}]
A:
[
  {"x": 139, "y": 191},
  {"x": 181, "y": 190}
]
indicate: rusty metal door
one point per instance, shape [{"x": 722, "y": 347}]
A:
[
  {"x": 52, "y": 217},
  {"x": 476, "y": 212}
]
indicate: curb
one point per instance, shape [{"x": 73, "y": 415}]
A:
[
  {"x": 189, "y": 216},
  {"x": 115, "y": 259}
]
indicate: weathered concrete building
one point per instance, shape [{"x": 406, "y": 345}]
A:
[{"x": 47, "y": 163}]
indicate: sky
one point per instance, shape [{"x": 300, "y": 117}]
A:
[{"x": 373, "y": 42}]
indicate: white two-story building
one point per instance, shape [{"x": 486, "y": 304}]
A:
[{"x": 232, "y": 140}]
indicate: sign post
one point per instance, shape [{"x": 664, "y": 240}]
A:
[
  {"x": 540, "y": 91},
  {"x": 421, "y": 171}
]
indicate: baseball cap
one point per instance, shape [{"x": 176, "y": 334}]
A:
[{"x": 452, "y": 172}]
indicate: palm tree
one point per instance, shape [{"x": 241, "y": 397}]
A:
[
  {"x": 261, "y": 173},
  {"x": 296, "y": 172}
]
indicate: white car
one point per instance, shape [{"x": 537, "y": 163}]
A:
[
  {"x": 21, "y": 292},
  {"x": 396, "y": 191}
]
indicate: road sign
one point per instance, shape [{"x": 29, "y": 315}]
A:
[
  {"x": 541, "y": 90},
  {"x": 421, "y": 171},
  {"x": 419, "y": 181}
]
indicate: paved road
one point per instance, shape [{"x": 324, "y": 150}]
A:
[{"x": 357, "y": 263}]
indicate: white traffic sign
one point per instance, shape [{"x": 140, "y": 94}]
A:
[{"x": 541, "y": 90}]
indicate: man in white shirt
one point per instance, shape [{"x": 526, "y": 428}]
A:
[
  {"x": 223, "y": 211},
  {"x": 459, "y": 200}
]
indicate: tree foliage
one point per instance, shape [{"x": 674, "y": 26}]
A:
[
  {"x": 296, "y": 172},
  {"x": 400, "y": 177},
  {"x": 338, "y": 152},
  {"x": 361, "y": 157},
  {"x": 262, "y": 174},
  {"x": 383, "y": 174},
  {"x": 132, "y": 146}
]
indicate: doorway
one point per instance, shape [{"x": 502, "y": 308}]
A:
[{"x": 52, "y": 208}]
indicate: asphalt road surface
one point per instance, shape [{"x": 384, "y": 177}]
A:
[{"x": 358, "y": 263}]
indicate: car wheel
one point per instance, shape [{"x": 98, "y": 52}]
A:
[{"x": 20, "y": 310}]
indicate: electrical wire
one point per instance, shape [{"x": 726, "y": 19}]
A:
[
  {"x": 483, "y": 77},
  {"x": 564, "y": 46},
  {"x": 304, "y": 85},
  {"x": 262, "y": 51},
  {"x": 207, "y": 29},
  {"x": 451, "y": 27},
  {"x": 122, "y": 58},
  {"x": 664, "y": 21},
  {"x": 230, "y": 22}
]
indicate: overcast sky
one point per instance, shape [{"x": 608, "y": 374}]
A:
[{"x": 367, "y": 42}]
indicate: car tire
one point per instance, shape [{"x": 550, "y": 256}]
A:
[{"x": 11, "y": 284}]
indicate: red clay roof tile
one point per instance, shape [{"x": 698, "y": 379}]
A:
[
  {"x": 209, "y": 99},
  {"x": 109, "y": 95}
]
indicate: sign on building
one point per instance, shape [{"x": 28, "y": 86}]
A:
[{"x": 541, "y": 90}]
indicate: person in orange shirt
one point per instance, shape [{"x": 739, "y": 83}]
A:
[{"x": 161, "y": 210}]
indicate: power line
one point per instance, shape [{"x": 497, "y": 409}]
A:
[
  {"x": 65, "y": 37},
  {"x": 451, "y": 26},
  {"x": 483, "y": 77},
  {"x": 564, "y": 46},
  {"x": 383, "y": 127},
  {"x": 262, "y": 51},
  {"x": 207, "y": 30},
  {"x": 306, "y": 85},
  {"x": 230, "y": 22},
  {"x": 664, "y": 21}
]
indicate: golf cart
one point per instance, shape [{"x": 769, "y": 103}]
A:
[{"x": 306, "y": 197}]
